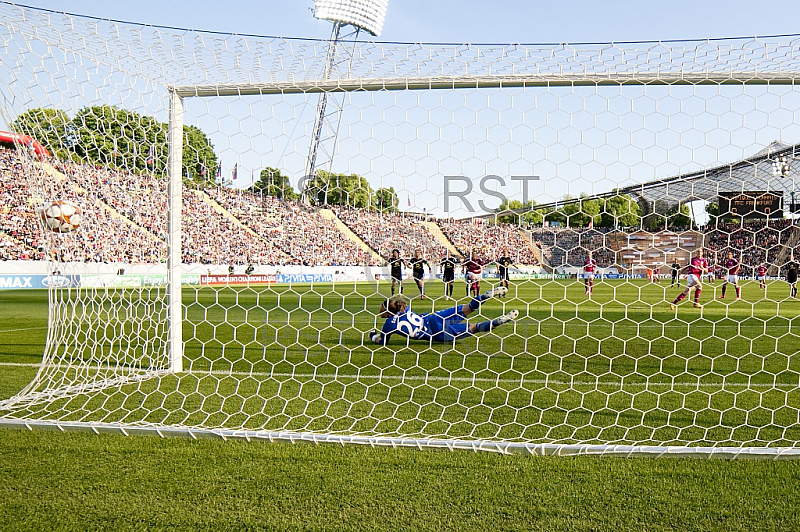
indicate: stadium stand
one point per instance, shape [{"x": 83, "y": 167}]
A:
[
  {"x": 384, "y": 232},
  {"x": 755, "y": 242},
  {"x": 123, "y": 223},
  {"x": 489, "y": 238}
]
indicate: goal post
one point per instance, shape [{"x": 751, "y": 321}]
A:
[
  {"x": 174, "y": 281},
  {"x": 202, "y": 296}
]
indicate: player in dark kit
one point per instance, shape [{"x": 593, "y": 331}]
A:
[
  {"x": 396, "y": 270},
  {"x": 503, "y": 262},
  {"x": 791, "y": 275},
  {"x": 675, "y": 269},
  {"x": 418, "y": 265},
  {"x": 448, "y": 265}
]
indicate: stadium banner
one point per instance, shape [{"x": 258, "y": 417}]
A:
[
  {"x": 237, "y": 280},
  {"x": 133, "y": 281},
  {"x": 16, "y": 282},
  {"x": 305, "y": 277},
  {"x": 520, "y": 276}
]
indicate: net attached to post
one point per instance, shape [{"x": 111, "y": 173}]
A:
[{"x": 592, "y": 168}]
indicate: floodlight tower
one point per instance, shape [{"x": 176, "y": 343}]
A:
[{"x": 349, "y": 17}]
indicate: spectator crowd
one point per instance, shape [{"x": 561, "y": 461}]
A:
[{"x": 124, "y": 221}]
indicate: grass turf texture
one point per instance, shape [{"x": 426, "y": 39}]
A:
[
  {"x": 84, "y": 481},
  {"x": 621, "y": 368}
]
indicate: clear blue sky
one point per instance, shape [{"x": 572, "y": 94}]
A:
[{"x": 474, "y": 21}]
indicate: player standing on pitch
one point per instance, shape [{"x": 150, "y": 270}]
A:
[
  {"x": 396, "y": 270},
  {"x": 473, "y": 271},
  {"x": 732, "y": 268},
  {"x": 791, "y": 274},
  {"x": 503, "y": 262},
  {"x": 695, "y": 269},
  {"x": 761, "y": 277},
  {"x": 589, "y": 266},
  {"x": 448, "y": 265},
  {"x": 418, "y": 271},
  {"x": 676, "y": 267},
  {"x": 443, "y": 326}
]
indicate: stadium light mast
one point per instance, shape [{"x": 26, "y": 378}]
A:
[
  {"x": 782, "y": 168},
  {"x": 349, "y": 17}
]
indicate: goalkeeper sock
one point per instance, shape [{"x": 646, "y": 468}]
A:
[
  {"x": 485, "y": 326},
  {"x": 477, "y": 300}
]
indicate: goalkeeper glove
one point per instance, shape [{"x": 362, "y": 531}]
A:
[{"x": 375, "y": 336}]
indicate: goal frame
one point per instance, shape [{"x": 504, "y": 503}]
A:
[
  {"x": 175, "y": 311},
  {"x": 177, "y": 94}
]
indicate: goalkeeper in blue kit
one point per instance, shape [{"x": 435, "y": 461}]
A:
[{"x": 442, "y": 326}]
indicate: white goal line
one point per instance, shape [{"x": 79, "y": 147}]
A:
[{"x": 435, "y": 378}]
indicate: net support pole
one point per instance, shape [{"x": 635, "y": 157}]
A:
[{"x": 174, "y": 167}]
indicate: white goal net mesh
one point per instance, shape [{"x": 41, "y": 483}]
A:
[{"x": 584, "y": 178}]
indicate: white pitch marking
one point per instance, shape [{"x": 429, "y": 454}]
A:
[{"x": 434, "y": 378}]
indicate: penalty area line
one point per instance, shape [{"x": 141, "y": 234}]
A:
[
  {"x": 2, "y": 331},
  {"x": 435, "y": 378}
]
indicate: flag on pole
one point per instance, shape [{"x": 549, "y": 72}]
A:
[
  {"x": 408, "y": 200},
  {"x": 203, "y": 169},
  {"x": 219, "y": 171},
  {"x": 151, "y": 155},
  {"x": 235, "y": 171},
  {"x": 591, "y": 223}
]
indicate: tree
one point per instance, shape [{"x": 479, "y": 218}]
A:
[
  {"x": 620, "y": 211},
  {"x": 590, "y": 211},
  {"x": 512, "y": 205},
  {"x": 51, "y": 127},
  {"x": 273, "y": 183},
  {"x": 571, "y": 212},
  {"x": 386, "y": 199},
  {"x": 554, "y": 216},
  {"x": 679, "y": 217},
  {"x": 122, "y": 139},
  {"x": 198, "y": 155},
  {"x": 534, "y": 217},
  {"x": 713, "y": 213},
  {"x": 118, "y": 139},
  {"x": 328, "y": 188}
]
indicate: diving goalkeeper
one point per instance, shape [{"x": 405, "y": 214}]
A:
[{"x": 442, "y": 326}]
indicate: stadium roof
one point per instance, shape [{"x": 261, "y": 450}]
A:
[{"x": 774, "y": 169}]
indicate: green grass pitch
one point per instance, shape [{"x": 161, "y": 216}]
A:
[
  {"x": 622, "y": 367},
  {"x": 625, "y": 345}
]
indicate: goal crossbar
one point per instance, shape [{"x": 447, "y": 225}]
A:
[{"x": 484, "y": 82}]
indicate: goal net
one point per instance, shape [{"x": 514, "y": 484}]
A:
[{"x": 221, "y": 285}]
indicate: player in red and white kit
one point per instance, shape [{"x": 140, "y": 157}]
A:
[
  {"x": 695, "y": 269},
  {"x": 473, "y": 271},
  {"x": 732, "y": 275},
  {"x": 761, "y": 275},
  {"x": 589, "y": 266}
]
